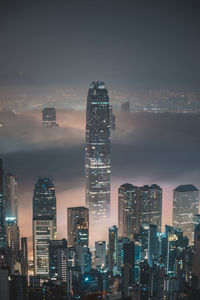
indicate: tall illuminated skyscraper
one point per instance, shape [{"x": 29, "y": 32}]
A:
[
  {"x": 97, "y": 151},
  {"x": 10, "y": 192},
  {"x": 44, "y": 224},
  {"x": 185, "y": 206}
]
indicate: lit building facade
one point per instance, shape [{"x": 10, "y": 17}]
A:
[
  {"x": 152, "y": 244},
  {"x": 138, "y": 206},
  {"x": 44, "y": 224},
  {"x": 185, "y": 207},
  {"x": 74, "y": 214},
  {"x": 10, "y": 193},
  {"x": 42, "y": 233},
  {"x": 12, "y": 241},
  {"x": 97, "y": 151},
  {"x": 58, "y": 253},
  {"x": 100, "y": 254},
  {"x": 113, "y": 248},
  {"x": 127, "y": 210},
  {"x": 150, "y": 206},
  {"x": 83, "y": 254}
]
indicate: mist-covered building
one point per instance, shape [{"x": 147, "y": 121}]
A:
[
  {"x": 49, "y": 117},
  {"x": 127, "y": 210},
  {"x": 185, "y": 207}
]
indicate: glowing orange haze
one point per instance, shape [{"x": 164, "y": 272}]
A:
[{"x": 75, "y": 196}]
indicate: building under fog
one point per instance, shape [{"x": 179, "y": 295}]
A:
[{"x": 185, "y": 207}]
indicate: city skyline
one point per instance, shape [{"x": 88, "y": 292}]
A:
[
  {"x": 176, "y": 172},
  {"x": 99, "y": 155}
]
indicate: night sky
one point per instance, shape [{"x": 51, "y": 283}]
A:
[{"x": 127, "y": 44}]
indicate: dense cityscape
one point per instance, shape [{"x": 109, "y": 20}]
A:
[
  {"x": 99, "y": 150},
  {"x": 138, "y": 261}
]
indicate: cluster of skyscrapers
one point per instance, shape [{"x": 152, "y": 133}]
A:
[{"x": 138, "y": 261}]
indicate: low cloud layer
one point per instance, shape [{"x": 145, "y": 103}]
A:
[{"x": 146, "y": 148}]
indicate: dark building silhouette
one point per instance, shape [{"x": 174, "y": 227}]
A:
[
  {"x": 24, "y": 259},
  {"x": 2, "y": 208},
  {"x": 18, "y": 287},
  {"x": 49, "y": 117}
]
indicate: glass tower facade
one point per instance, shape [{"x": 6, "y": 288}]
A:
[
  {"x": 137, "y": 206},
  {"x": 44, "y": 224},
  {"x": 97, "y": 151},
  {"x": 150, "y": 205},
  {"x": 185, "y": 207},
  {"x": 127, "y": 210}
]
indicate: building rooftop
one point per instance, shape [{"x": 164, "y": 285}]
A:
[
  {"x": 127, "y": 186},
  {"x": 97, "y": 85},
  {"x": 186, "y": 188}
]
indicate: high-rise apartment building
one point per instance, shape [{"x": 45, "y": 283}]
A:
[
  {"x": 150, "y": 205},
  {"x": 83, "y": 254},
  {"x": 137, "y": 206},
  {"x": 120, "y": 249},
  {"x": 185, "y": 206},
  {"x": 44, "y": 224},
  {"x": 74, "y": 214},
  {"x": 152, "y": 244},
  {"x": 113, "y": 248},
  {"x": 97, "y": 151},
  {"x": 100, "y": 254},
  {"x": 10, "y": 194},
  {"x": 58, "y": 253},
  {"x": 127, "y": 210}
]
